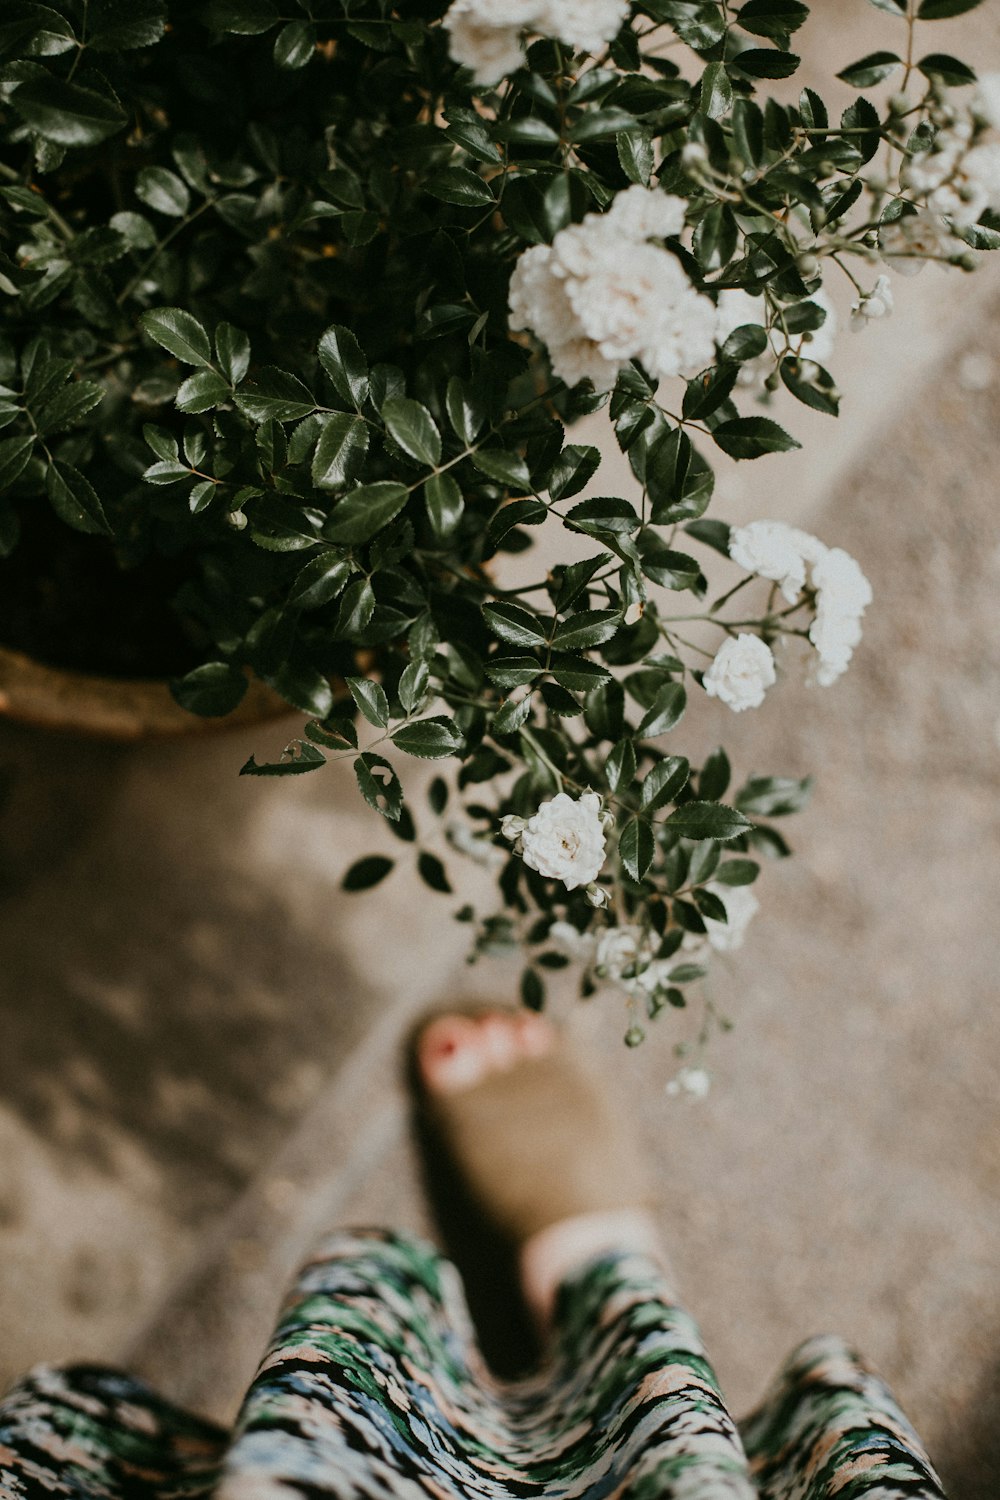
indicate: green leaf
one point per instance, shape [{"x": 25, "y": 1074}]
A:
[
  {"x": 245, "y": 17},
  {"x": 589, "y": 627},
  {"x": 340, "y": 452},
  {"x": 74, "y": 499},
  {"x": 707, "y": 391},
  {"x": 364, "y": 873},
  {"x": 301, "y": 757},
  {"x": 774, "y": 796},
  {"x": 603, "y": 514},
  {"x": 514, "y": 513},
  {"x": 341, "y": 357},
  {"x": 304, "y": 688},
  {"x": 163, "y": 190},
  {"x": 168, "y": 471},
  {"x": 364, "y": 511},
  {"x": 430, "y": 739},
  {"x": 737, "y": 872},
  {"x": 445, "y": 505},
  {"x": 432, "y": 872},
  {"x": 512, "y": 671},
  {"x": 212, "y": 690},
  {"x": 810, "y": 384},
  {"x": 746, "y": 342},
  {"x": 572, "y": 470},
  {"x": 179, "y": 333},
  {"x": 620, "y": 766},
  {"x": 663, "y": 782},
  {"x": 512, "y": 623},
  {"x": 714, "y": 776},
  {"x": 379, "y": 785},
  {"x": 276, "y": 396},
  {"x": 294, "y": 45},
  {"x": 707, "y": 820},
  {"x": 636, "y": 846},
  {"x": 635, "y": 154},
  {"x": 752, "y": 437},
  {"x": 466, "y": 412},
  {"x": 578, "y": 673},
  {"x": 666, "y": 710},
  {"x": 672, "y": 570},
  {"x": 949, "y": 70},
  {"x": 66, "y": 112},
  {"x": 124, "y": 26},
  {"x": 202, "y": 391},
  {"x": 370, "y": 698},
  {"x": 232, "y": 348},
  {"x": 511, "y": 715},
  {"x": 772, "y": 18},
  {"x": 532, "y": 990},
  {"x": 356, "y": 609},
  {"x": 506, "y": 468},
  {"x": 412, "y": 427},
  {"x": 413, "y": 684},
  {"x": 940, "y": 10},
  {"x": 14, "y": 455},
  {"x": 461, "y": 186},
  {"x": 870, "y": 69},
  {"x": 761, "y": 62},
  {"x": 716, "y": 99}
]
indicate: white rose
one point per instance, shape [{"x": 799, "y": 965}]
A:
[
  {"x": 741, "y": 907},
  {"x": 564, "y": 839},
  {"x": 465, "y": 839},
  {"x": 485, "y": 35},
  {"x": 618, "y": 949},
  {"x": 842, "y": 586},
  {"x": 771, "y": 549},
  {"x": 741, "y": 673},
  {"x": 693, "y": 1081},
  {"x": 642, "y": 213},
  {"x": 584, "y": 25}
]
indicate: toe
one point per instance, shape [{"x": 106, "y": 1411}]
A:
[
  {"x": 534, "y": 1035},
  {"x": 450, "y": 1054},
  {"x": 498, "y": 1039}
]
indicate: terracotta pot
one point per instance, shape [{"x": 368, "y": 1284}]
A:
[{"x": 111, "y": 708}]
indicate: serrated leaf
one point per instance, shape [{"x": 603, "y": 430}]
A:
[
  {"x": 737, "y": 872},
  {"x": 460, "y": 186},
  {"x": 636, "y": 846},
  {"x": 665, "y": 711},
  {"x": 341, "y": 357},
  {"x": 413, "y": 428},
  {"x": 301, "y": 757},
  {"x": 663, "y": 782},
  {"x": 572, "y": 470},
  {"x": 707, "y": 820},
  {"x": 379, "y": 785},
  {"x": 371, "y": 700},
  {"x": 202, "y": 391},
  {"x": 232, "y": 347},
  {"x": 430, "y": 739},
  {"x": 413, "y": 684},
  {"x": 364, "y": 511},
  {"x": 512, "y": 623},
  {"x": 68, "y": 406},
  {"x": 163, "y": 191},
  {"x": 275, "y": 396},
  {"x": 620, "y": 767},
  {"x": 14, "y": 455},
  {"x": 714, "y": 777},
  {"x": 589, "y": 627},
  {"x": 179, "y": 333},
  {"x": 445, "y": 505},
  {"x": 67, "y": 113},
  {"x": 635, "y": 154},
  {"x": 603, "y": 514},
  {"x": 364, "y": 873},
  {"x": 511, "y": 715},
  {"x": 294, "y": 45},
  {"x": 506, "y": 468},
  {"x": 871, "y": 69},
  {"x": 340, "y": 451},
  {"x": 752, "y": 437},
  {"x": 940, "y": 10},
  {"x": 74, "y": 499}
]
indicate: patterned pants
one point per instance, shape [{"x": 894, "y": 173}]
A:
[{"x": 373, "y": 1387}]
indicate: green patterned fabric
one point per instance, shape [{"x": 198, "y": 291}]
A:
[{"x": 373, "y": 1388}]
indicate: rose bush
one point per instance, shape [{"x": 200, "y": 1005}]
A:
[{"x": 305, "y": 305}]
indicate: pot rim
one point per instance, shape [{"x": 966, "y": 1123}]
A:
[{"x": 115, "y": 708}]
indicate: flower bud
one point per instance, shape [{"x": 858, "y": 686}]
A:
[
  {"x": 596, "y": 895},
  {"x": 634, "y": 1036},
  {"x": 808, "y": 265},
  {"x": 773, "y": 381}
]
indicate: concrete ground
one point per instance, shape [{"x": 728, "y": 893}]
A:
[{"x": 199, "y": 1032}]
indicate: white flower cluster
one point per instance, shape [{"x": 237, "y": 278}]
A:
[
  {"x": 485, "y": 35},
  {"x": 784, "y": 554},
  {"x": 563, "y": 840},
  {"x": 909, "y": 242},
  {"x": 959, "y": 177},
  {"x": 601, "y": 294}
]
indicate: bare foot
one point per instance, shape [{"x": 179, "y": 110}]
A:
[{"x": 538, "y": 1142}]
